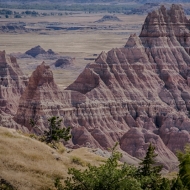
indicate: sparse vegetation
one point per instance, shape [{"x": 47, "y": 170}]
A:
[
  {"x": 58, "y": 146},
  {"x": 36, "y": 162},
  {"x": 114, "y": 176},
  {"x": 28, "y": 164},
  {"x": 54, "y": 131}
]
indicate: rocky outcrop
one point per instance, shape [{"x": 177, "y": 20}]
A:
[
  {"x": 39, "y": 50},
  {"x": 64, "y": 62},
  {"x": 134, "y": 95},
  {"x": 12, "y": 84}
]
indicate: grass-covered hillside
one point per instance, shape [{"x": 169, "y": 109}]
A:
[{"x": 28, "y": 164}]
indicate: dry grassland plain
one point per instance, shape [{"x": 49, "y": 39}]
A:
[{"x": 80, "y": 44}]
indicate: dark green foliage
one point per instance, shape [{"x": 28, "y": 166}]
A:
[
  {"x": 58, "y": 184},
  {"x": 165, "y": 184},
  {"x": 148, "y": 167},
  {"x": 55, "y": 132},
  {"x": 115, "y": 176},
  {"x": 149, "y": 174},
  {"x": 184, "y": 167},
  {"x": 109, "y": 176},
  {"x": 177, "y": 184},
  {"x": 5, "y": 185}
]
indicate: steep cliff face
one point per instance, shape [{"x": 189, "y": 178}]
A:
[
  {"x": 12, "y": 84},
  {"x": 134, "y": 95}
]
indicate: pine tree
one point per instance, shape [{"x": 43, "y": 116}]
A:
[
  {"x": 148, "y": 164},
  {"x": 108, "y": 176},
  {"x": 55, "y": 132},
  {"x": 184, "y": 167},
  {"x": 148, "y": 173}
]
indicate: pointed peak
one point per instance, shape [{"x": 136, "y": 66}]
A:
[
  {"x": 42, "y": 75},
  {"x": 133, "y": 41},
  {"x": 43, "y": 67},
  {"x": 101, "y": 59},
  {"x": 35, "y": 51},
  {"x": 43, "y": 63},
  {"x": 4, "y": 58},
  {"x": 2, "y": 53}
]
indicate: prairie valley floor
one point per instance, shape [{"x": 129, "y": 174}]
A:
[{"x": 78, "y": 36}]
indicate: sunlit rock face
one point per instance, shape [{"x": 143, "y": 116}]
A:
[{"x": 132, "y": 95}]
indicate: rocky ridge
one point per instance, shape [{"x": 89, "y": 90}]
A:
[{"x": 134, "y": 95}]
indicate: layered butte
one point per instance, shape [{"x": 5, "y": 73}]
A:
[{"x": 134, "y": 95}]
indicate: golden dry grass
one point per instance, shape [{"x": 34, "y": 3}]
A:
[{"x": 31, "y": 165}]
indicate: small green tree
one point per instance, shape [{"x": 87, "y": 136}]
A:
[
  {"x": 147, "y": 166},
  {"x": 149, "y": 173},
  {"x": 108, "y": 176},
  {"x": 184, "y": 167},
  {"x": 55, "y": 132}
]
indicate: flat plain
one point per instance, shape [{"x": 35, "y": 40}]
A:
[{"x": 82, "y": 38}]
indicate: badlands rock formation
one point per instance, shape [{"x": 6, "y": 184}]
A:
[
  {"x": 42, "y": 98},
  {"x": 38, "y": 50},
  {"x": 12, "y": 84},
  {"x": 135, "y": 95},
  {"x": 108, "y": 18},
  {"x": 64, "y": 62}
]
